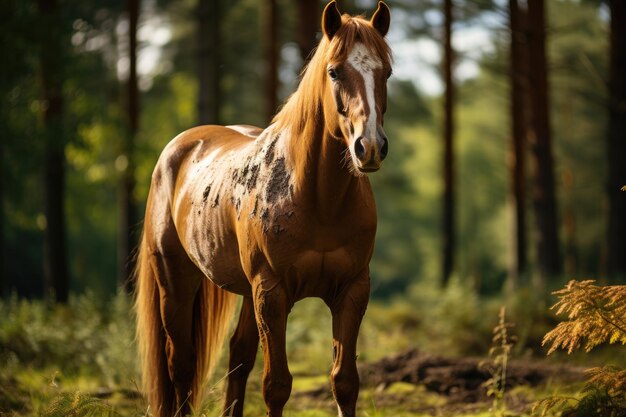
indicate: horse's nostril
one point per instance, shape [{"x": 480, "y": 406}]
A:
[
  {"x": 359, "y": 149},
  {"x": 384, "y": 149}
]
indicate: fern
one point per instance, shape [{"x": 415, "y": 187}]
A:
[
  {"x": 500, "y": 352},
  {"x": 596, "y": 315},
  {"x": 78, "y": 404}
]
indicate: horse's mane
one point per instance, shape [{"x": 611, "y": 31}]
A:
[{"x": 302, "y": 112}]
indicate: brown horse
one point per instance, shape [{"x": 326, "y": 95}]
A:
[{"x": 274, "y": 215}]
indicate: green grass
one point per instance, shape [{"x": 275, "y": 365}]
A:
[{"x": 81, "y": 359}]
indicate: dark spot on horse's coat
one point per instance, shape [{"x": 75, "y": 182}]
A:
[
  {"x": 269, "y": 153},
  {"x": 216, "y": 201},
  {"x": 278, "y": 183},
  {"x": 254, "y": 210},
  {"x": 205, "y": 194},
  {"x": 248, "y": 175},
  {"x": 237, "y": 204},
  {"x": 199, "y": 212},
  {"x": 265, "y": 218},
  {"x": 254, "y": 174}
]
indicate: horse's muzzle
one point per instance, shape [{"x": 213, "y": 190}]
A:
[{"x": 370, "y": 153}]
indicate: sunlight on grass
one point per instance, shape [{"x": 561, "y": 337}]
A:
[{"x": 38, "y": 346}]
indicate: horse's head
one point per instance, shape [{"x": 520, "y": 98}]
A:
[{"x": 358, "y": 64}]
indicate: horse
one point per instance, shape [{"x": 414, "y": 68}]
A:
[{"x": 274, "y": 216}]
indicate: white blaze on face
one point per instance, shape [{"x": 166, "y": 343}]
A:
[{"x": 365, "y": 63}]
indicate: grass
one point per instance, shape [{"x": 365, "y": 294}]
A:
[{"x": 80, "y": 359}]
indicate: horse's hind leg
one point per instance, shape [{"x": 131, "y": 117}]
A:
[
  {"x": 347, "y": 311},
  {"x": 243, "y": 348},
  {"x": 179, "y": 280}
]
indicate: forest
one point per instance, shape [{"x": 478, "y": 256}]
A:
[{"x": 504, "y": 193}]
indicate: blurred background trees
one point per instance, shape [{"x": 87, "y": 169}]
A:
[{"x": 534, "y": 94}]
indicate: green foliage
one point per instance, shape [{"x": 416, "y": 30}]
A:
[
  {"x": 83, "y": 338},
  {"x": 78, "y": 405},
  {"x": 452, "y": 318},
  {"x": 408, "y": 188}
]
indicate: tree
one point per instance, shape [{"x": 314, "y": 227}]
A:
[
  {"x": 128, "y": 206},
  {"x": 208, "y": 49},
  {"x": 544, "y": 203},
  {"x": 448, "y": 157},
  {"x": 518, "y": 80},
  {"x": 307, "y": 27},
  {"x": 51, "y": 75},
  {"x": 2, "y": 221},
  {"x": 271, "y": 58},
  {"x": 616, "y": 149}
]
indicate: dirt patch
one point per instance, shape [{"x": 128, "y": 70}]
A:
[
  {"x": 425, "y": 384},
  {"x": 461, "y": 378},
  {"x": 278, "y": 183},
  {"x": 205, "y": 194},
  {"x": 269, "y": 153}
]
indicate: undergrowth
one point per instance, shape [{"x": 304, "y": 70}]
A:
[
  {"x": 81, "y": 358},
  {"x": 595, "y": 315},
  {"x": 500, "y": 354}
]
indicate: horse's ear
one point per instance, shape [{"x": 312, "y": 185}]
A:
[
  {"x": 381, "y": 18},
  {"x": 331, "y": 19}
]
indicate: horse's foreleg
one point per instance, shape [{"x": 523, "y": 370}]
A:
[
  {"x": 347, "y": 311},
  {"x": 271, "y": 310},
  {"x": 243, "y": 348}
]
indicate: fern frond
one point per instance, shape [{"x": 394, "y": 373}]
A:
[
  {"x": 78, "y": 404},
  {"x": 608, "y": 378},
  {"x": 596, "y": 315},
  {"x": 553, "y": 404}
]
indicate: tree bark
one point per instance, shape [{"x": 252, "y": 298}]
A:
[
  {"x": 209, "y": 74},
  {"x": 449, "y": 240},
  {"x": 308, "y": 11},
  {"x": 616, "y": 262},
  {"x": 271, "y": 59},
  {"x": 51, "y": 63},
  {"x": 128, "y": 206},
  {"x": 518, "y": 73},
  {"x": 544, "y": 203},
  {"x": 2, "y": 165}
]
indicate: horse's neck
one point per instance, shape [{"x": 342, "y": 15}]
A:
[{"x": 325, "y": 182}]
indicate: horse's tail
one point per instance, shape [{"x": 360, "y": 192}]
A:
[
  {"x": 213, "y": 308},
  {"x": 155, "y": 381}
]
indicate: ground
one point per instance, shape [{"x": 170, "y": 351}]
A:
[{"x": 80, "y": 360}]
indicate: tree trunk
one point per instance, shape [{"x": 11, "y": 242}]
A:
[
  {"x": 272, "y": 59},
  {"x": 518, "y": 73},
  {"x": 616, "y": 265},
  {"x": 2, "y": 165},
  {"x": 448, "y": 158},
  {"x": 128, "y": 206},
  {"x": 209, "y": 75},
  {"x": 308, "y": 11},
  {"x": 544, "y": 203},
  {"x": 51, "y": 62}
]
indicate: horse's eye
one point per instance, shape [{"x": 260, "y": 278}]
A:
[
  {"x": 389, "y": 74},
  {"x": 332, "y": 74}
]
